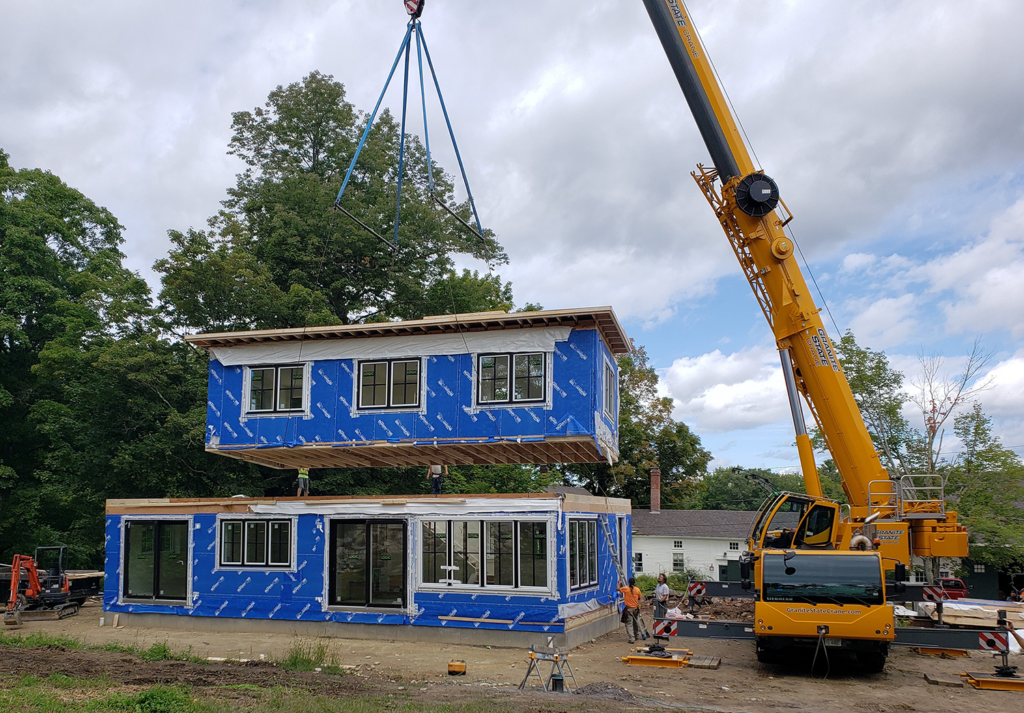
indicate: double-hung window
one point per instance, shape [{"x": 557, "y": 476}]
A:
[
  {"x": 511, "y": 378},
  {"x": 482, "y": 553},
  {"x": 609, "y": 392},
  {"x": 582, "y": 553},
  {"x": 389, "y": 384},
  {"x": 255, "y": 543},
  {"x": 275, "y": 389},
  {"x": 678, "y": 562}
]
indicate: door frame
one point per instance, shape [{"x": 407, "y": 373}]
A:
[
  {"x": 122, "y": 568},
  {"x": 330, "y": 561}
]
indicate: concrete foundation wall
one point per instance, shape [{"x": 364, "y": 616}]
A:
[{"x": 589, "y": 628}]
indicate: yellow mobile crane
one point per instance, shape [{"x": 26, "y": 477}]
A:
[{"x": 815, "y": 583}]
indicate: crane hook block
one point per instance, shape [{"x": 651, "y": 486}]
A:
[
  {"x": 757, "y": 195},
  {"x": 414, "y": 8}
]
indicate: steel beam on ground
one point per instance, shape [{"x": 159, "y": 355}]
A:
[{"x": 714, "y": 629}]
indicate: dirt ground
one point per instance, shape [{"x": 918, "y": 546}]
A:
[{"x": 740, "y": 684}]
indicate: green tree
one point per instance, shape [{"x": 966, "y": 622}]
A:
[
  {"x": 878, "y": 390},
  {"x": 296, "y": 149},
  {"x": 648, "y": 437},
  {"x": 94, "y": 403},
  {"x": 986, "y": 481}
]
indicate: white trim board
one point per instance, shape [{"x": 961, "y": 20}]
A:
[{"x": 513, "y": 340}]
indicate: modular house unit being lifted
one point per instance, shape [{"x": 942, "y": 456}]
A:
[
  {"x": 437, "y": 568},
  {"x": 491, "y": 387},
  {"x": 534, "y": 387}
]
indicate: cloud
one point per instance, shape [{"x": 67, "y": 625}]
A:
[
  {"x": 575, "y": 134},
  {"x": 883, "y": 322},
  {"x": 715, "y": 392},
  {"x": 984, "y": 278}
]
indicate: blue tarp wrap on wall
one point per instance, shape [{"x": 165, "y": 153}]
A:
[
  {"x": 299, "y": 594},
  {"x": 575, "y": 405}
]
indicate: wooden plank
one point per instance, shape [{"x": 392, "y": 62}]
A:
[
  {"x": 466, "y": 618},
  {"x": 938, "y": 679}
]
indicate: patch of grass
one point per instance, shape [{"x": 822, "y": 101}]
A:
[
  {"x": 161, "y": 651},
  {"x": 158, "y": 699},
  {"x": 311, "y": 655},
  {"x": 38, "y": 639}
]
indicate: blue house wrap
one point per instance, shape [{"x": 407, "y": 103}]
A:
[
  {"x": 531, "y": 565},
  {"x": 535, "y": 387}
]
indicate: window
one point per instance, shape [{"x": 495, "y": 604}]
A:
[
  {"x": 500, "y": 554},
  {"x": 814, "y": 578},
  {"x": 979, "y": 568},
  {"x": 609, "y": 391},
  {"x": 638, "y": 561},
  {"x": 155, "y": 564},
  {"x": 394, "y": 384},
  {"x": 678, "y": 563},
  {"x": 367, "y": 563},
  {"x": 677, "y": 544},
  {"x": 734, "y": 545},
  {"x": 582, "y": 553},
  {"x": 484, "y": 553},
  {"x": 287, "y": 382},
  {"x": 255, "y": 543},
  {"x": 533, "y": 554},
  {"x": 499, "y": 383}
]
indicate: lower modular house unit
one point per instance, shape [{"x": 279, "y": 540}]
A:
[
  {"x": 443, "y": 568},
  {"x": 489, "y": 387}
]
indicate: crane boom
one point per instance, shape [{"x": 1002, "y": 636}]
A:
[
  {"x": 768, "y": 259},
  {"x": 747, "y": 205}
]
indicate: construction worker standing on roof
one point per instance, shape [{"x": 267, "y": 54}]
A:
[
  {"x": 434, "y": 473},
  {"x": 631, "y": 597},
  {"x": 303, "y": 482}
]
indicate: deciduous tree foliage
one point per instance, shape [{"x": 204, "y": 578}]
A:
[
  {"x": 986, "y": 483},
  {"x": 648, "y": 437},
  {"x": 99, "y": 397}
]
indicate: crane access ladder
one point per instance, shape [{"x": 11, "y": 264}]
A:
[{"x": 617, "y": 561}]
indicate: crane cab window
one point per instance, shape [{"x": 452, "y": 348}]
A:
[
  {"x": 779, "y": 532},
  {"x": 816, "y": 528}
]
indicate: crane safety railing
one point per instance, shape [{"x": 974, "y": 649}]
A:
[
  {"x": 883, "y": 497},
  {"x": 921, "y": 496}
]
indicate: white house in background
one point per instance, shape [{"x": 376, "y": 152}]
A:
[{"x": 709, "y": 541}]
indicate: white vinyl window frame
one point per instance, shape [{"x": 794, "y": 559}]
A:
[
  {"x": 611, "y": 392},
  {"x": 551, "y": 535},
  {"x": 389, "y": 404},
  {"x": 588, "y": 527},
  {"x": 247, "y": 412},
  {"x": 510, "y": 379},
  {"x": 265, "y": 562}
]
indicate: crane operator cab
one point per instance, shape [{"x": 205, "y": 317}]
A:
[{"x": 795, "y": 521}]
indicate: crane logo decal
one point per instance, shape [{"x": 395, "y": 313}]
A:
[{"x": 821, "y": 350}]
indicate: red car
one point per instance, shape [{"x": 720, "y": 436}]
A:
[{"x": 954, "y": 588}]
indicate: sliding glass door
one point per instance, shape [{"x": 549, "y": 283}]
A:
[
  {"x": 155, "y": 564},
  {"x": 367, "y": 563}
]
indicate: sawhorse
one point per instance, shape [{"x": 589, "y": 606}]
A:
[{"x": 559, "y": 659}]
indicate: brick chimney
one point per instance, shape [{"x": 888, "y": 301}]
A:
[{"x": 655, "y": 490}]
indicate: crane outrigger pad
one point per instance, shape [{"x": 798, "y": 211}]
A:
[{"x": 992, "y": 682}]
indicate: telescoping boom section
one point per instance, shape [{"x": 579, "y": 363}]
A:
[{"x": 910, "y": 510}]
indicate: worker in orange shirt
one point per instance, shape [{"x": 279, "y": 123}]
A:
[{"x": 631, "y": 615}]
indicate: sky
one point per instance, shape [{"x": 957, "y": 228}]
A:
[{"x": 895, "y": 130}]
